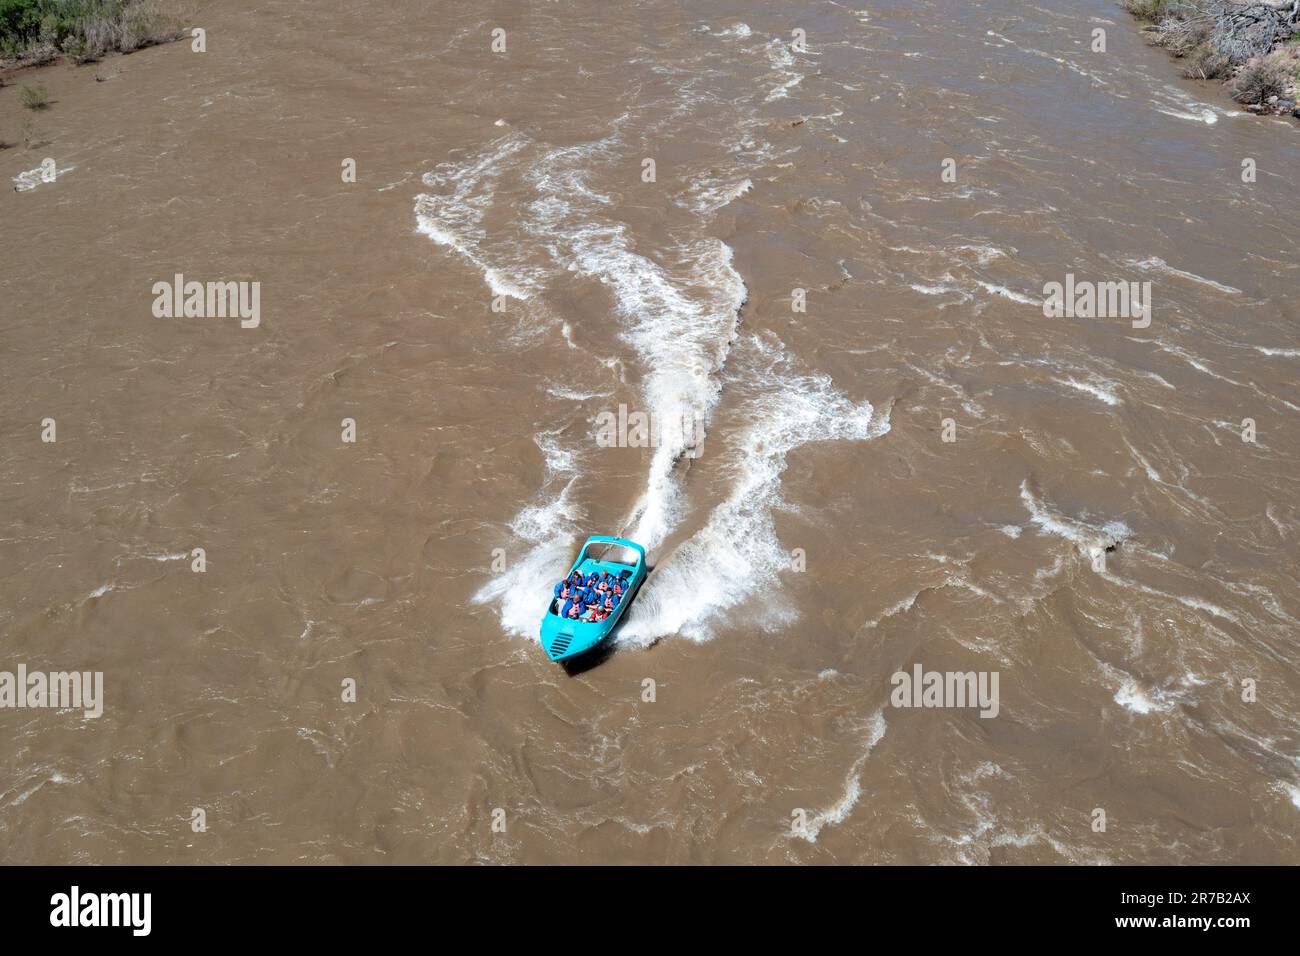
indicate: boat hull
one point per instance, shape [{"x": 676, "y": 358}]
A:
[{"x": 565, "y": 639}]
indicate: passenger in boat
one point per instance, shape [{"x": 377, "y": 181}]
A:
[
  {"x": 580, "y": 594},
  {"x": 591, "y": 597}
]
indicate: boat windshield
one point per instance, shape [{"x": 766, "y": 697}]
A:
[{"x": 614, "y": 553}]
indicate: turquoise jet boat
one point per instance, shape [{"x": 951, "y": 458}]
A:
[{"x": 565, "y": 638}]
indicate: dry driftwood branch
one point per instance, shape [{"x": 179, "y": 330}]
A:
[{"x": 1245, "y": 30}]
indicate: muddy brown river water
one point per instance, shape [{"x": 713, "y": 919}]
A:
[{"x": 835, "y": 264}]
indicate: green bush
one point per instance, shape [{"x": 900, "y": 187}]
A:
[
  {"x": 84, "y": 29},
  {"x": 20, "y": 20},
  {"x": 34, "y": 97}
]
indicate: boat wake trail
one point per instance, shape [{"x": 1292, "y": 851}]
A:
[
  {"x": 737, "y": 554},
  {"x": 522, "y": 589},
  {"x": 679, "y": 313},
  {"x": 677, "y": 297},
  {"x": 682, "y": 336}
]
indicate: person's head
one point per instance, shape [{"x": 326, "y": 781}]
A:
[{"x": 609, "y": 604}]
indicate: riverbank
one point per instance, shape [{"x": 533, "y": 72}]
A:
[
  {"x": 38, "y": 32},
  {"x": 1253, "y": 47}
]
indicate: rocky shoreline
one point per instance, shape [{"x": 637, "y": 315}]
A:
[{"x": 1252, "y": 46}]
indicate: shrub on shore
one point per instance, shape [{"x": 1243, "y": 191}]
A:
[
  {"x": 1151, "y": 10},
  {"x": 34, "y": 97},
  {"x": 1264, "y": 77},
  {"x": 36, "y": 31},
  {"x": 1206, "y": 63},
  {"x": 1242, "y": 41}
]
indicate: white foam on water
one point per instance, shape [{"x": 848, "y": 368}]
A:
[
  {"x": 573, "y": 394},
  {"x": 1096, "y": 391},
  {"x": 1293, "y": 792},
  {"x": 984, "y": 254},
  {"x": 1175, "y": 102},
  {"x": 737, "y": 554},
  {"x": 1196, "y": 362},
  {"x": 681, "y": 332},
  {"x": 739, "y": 30},
  {"x": 1284, "y": 353},
  {"x": 782, "y": 60},
  {"x": 454, "y": 216},
  {"x": 1156, "y": 264},
  {"x": 680, "y": 318},
  {"x": 1087, "y": 539},
  {"x": 1195, "y": 603},
  {"x": 1209, "y": 117},
  {"x": 29, "y": 180},
  {"x": 1162, "y": 381},
  {"x": 1146, "y": 465},
  {"x": 935, "y": 289},
  {"x": 1131, "y": 697},
  {"x": 545, "y": 530},
  {"x": 939, "y": 290},
  {"x": 1279, "y": 525},
  {"x": 906, "y": 604},
  {"x": 708, "y": 195},
  {"x": 677, "y": 306},
  {"x": 1006, "y": 293},
  {"x": 839, "y": 811}
]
